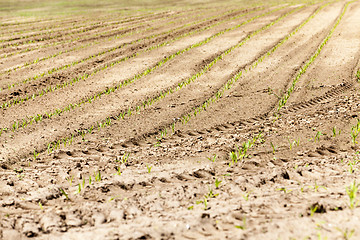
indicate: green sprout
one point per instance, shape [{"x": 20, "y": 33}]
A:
[
  {"x": 217, "y": 183},
  {"x": 213, "y": 158},
  {"x": 352, "y": 192},
  {"x": 317, "y": 136},
  {"x": 97, "y": 176},
  {"x": 284, "y": 190},
  {"x": 334, "y": 133},
  {"x": 273, "y": 147},
  {"x": 64, "y": 193},
  {"x": 243, "y": 226},
  {"x": 35, "y": 154},
  {"x": 346, "y": 233},
  {"x": 148, "y": 167},
  {"x": 355, "y": 130}
]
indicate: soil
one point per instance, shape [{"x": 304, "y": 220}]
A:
[{"x": 143, "y": 144}]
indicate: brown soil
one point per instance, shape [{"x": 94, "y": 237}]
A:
[{"x": 178, "y": 180}]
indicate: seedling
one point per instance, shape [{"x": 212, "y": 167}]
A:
[
  {"x": 113, "y": 198},
  {"x": 41, "y": 206},
  {"x": 284, "y": 190},
  {"x": 79, "y": 188},
  {"x": 207, "y": 196},
  {"x": 148, "y": 168},
  {"x": 317, "y": 136},
  {"x": 273, "y": 147},
  {"x": 346, "y": 233},
  {"x": 352, "y": 192},
  {"x": 217, "y": 183},
  {"x": 316, "y": 187},
  {"x": 351, "y": 167},
  {"x": 355, "y": 130},
  {"x": 35, "y": 154},
  {"x": 70, "y": 179},
  {"x": 293, "y": 143},
  {"x": 246, "y": 196},
  {"x": 334, "y": 132},
  {"x": 64, "y": 193},
  {"x": 204, "y": 201},
  {"x": 97, "y": 176},
  {"x": 213, "y": 158},
  {"x": 241, "y": 153},
  {"x": 358, "y": 75},
  {"x": 123, "y": 159},
  {"x": 243, "y": 226},
  {"x": 118, "y": 171},
  {"x": 313, "y": 210}
]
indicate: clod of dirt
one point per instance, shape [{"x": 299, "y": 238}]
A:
[
  {"x": 317, "y": 208},
  {"x": 50, "y": 222}
]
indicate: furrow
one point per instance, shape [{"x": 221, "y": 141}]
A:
[{"x": 86, "y": 75}]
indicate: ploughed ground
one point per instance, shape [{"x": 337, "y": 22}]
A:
[{"x": 216, "y": 120}]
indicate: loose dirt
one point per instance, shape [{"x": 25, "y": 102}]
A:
[{"x": 170, "y": 123}]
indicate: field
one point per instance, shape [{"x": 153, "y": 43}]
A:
[{"x": 179, "y": 120}]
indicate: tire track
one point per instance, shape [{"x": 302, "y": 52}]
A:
[
  {"x": 183, "y": 119},
  {"x": 77, "y": 132},
  {"x": 247, "y": 125}
]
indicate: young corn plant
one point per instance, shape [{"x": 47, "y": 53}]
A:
[
  {"x": 148, "y": 167},
  {"x": 355, "y": 130},
  {"x": 124, "y": 158},
  {"x": 213, "y": 158},
  {"x": 217, "y": 183},
  {"x": 293, "y": 143},
  {"x": 246, "y": 196},
  {"x": 64, "y": 193},
  {"x": 118, "y": 172},
  {"x": 273, "y": 147},
  {"x": 335, "y": 132},
  {"x": 316, "y": 187},
  {"x": 36, "y": 155},
  {"x": 317, "y": 136},
  {"x": 241, "y": 153},
  {"x": 347, "y": 234},
  {"x": 207, "y": 196},
  {"x": 97, "y": 176},
  {"x": 285, "y": 190},
  {"x": 352, "y": 193},
  {"x": 243, "y": 226}
]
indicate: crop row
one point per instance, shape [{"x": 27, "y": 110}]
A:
[
  {"x": 82, "y": 38},
  {"x": 228, "y": 85},
  {"x": 15, "y": 38},
  {"x": 111, "y": 38},
  {"x": 86, "y": 75},
  {"x": 108, "y": 121},
  {"x": 89, "y": 21},
  {"x": 51, "y": 44},
  {"x": 303, "y": 69},
  {"x": 51, "y": 29},
  {"x": 96, "y": 26},
  {"x": 39, "y": 117},
  {"x": 307, "y": 64}
]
